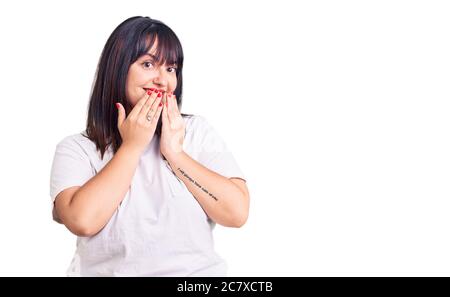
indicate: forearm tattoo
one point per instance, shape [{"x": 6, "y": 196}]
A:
[{"x": 197, "y": 184}]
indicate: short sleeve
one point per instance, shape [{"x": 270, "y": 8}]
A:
[
  {"x": 71, "y": 167},
  {"x": 212, "y": 151}
]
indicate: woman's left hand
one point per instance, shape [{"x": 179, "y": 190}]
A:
[{"x": 173, "y": 128}]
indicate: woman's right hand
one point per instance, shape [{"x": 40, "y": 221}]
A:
[{"x": 136, "y": 130}]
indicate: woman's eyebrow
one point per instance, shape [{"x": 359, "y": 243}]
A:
[
  {"x": 147, "y": 54},
  {"x": 154, "y": 57}
]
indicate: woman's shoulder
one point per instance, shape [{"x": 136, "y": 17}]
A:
[
  {"x": 196, "y": 123},
  {"x": 79, "y": 142},
  {"x": 200, "y": 129},
  {"x": 77, "y": 138},
  {"x": 80, "y": 145}
]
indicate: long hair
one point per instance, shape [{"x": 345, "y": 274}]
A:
[{"x": 128, "y": 42}]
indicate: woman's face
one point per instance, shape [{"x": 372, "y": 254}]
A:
[{"x": 144, "y": 74}]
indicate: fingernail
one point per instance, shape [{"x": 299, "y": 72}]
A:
[
  {"x": 152, "y": 89},
  {"x": 160, "y": 104},
  {"x": 117, "y": 105},
  {"x": 149, "y": 92},
  {"x": 159, "y": 94}
]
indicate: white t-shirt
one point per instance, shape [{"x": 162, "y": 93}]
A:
[{"x": 159, "y": 229}]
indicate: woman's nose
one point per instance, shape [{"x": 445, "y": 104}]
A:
[{"x": 160, "y": 78}]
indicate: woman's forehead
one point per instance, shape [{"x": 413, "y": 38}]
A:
[
  {"x": 153, "y": 50},
  {"x": 161, "y": 54}
]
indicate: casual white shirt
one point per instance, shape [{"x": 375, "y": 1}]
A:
[{"x": 159, "y": 229}]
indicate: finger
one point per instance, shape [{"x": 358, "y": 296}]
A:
[
  {"x": 137, "y": 108},
  {"x": 171, "y": 108},
  {"x": 176, "y": 109},
  {"x": 175, "y": 104},
  {"x": 120, "y": 114},
  {"x": 166, "y": 110},
  {"x": 150, "y": 116},
  {"x": 170, "y": 112},
  {"x": 164, "y": 98},
  {"x": 175, "y": 118},
  {"x": 149, "y": 105},
  {"x": 165, "y": 116},
  {"x": 157, "y": 114}
]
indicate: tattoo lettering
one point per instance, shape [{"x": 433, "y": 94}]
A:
[{"x": 197, "y": 184}]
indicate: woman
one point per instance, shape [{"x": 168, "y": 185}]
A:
[{"x": 143, "y": 186}]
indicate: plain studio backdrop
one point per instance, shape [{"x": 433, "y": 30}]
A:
[{"x": 336, "y": 111}]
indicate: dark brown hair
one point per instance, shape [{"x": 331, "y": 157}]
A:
[{"x": 127, "y": 43}]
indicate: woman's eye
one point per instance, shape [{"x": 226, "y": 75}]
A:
[
  {"x": 150, "y": 65},
  {"x": 147, "y": 63}
]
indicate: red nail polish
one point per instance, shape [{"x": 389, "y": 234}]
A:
[
  {"x": 149, "y": 92},
  {"x": 159, "y": 94},
  {"x": 152, "y": 89},
  {"x": 160, "y": 104},
  {"x": 117, "y": 105}
]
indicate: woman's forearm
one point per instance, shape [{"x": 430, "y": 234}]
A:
[
  {"x": 95, "y": 202},
  {"x": 219, "y": 197}
]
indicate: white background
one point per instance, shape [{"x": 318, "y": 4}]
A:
[{"x": 337, "y": 112}]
